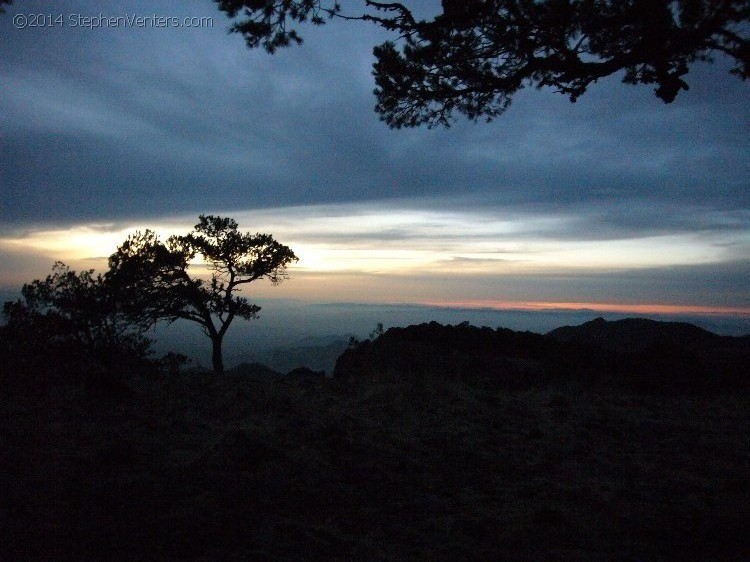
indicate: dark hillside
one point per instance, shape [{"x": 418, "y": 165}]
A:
[
  {"x": 500, "y": 357},
  {"x": 198, "y": 467},
  {"x": 431, "y": 443},
  {"x": 637, "y": 355},
  {"x": 667, "y": 354}
]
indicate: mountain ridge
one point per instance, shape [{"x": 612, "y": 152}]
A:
[
  {"x": 636, "y": 334},
  {"x": 637, "y": 354}
]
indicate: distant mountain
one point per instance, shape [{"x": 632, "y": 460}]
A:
[
  {"x": 318, "y": 353},
  {"x": 253, "y": 369},
  {"x": 637, "y": 334}
]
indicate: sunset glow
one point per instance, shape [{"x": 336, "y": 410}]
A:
[
  {"x": 359, "y": 239},
  {"x": 365, "y": 253}
]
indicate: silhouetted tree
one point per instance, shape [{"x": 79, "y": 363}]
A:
[
  {"x": 155, "y": 276},
  {"x": 68, "y": 318},
  {"x": 477, "y": 54}
]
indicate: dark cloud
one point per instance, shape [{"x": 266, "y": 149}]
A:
[{"x": 109, "y": 123}]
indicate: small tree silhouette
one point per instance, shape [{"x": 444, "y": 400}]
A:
[{"x": 153, "y": 277}]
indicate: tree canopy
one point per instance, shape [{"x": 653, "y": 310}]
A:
[
  {"x": 155, "y": 281},
  {"x": 475, "y": 55},
  {"x": 67, "y": 319}
]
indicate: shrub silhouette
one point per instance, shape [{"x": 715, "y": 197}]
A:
[{"x": 70, "y": 322}]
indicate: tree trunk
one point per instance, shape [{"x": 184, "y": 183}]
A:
[{"x": 216, "y": 358}]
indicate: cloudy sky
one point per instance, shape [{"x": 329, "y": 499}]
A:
[{"x": 616, "y": 202}]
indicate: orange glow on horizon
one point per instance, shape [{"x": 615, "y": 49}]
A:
[{"x": 595, "y": 306}]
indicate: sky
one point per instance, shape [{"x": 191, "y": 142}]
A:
[{"x": 618, "y": 202}]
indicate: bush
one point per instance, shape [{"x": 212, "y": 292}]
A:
[{"x": 69, "y": 326}]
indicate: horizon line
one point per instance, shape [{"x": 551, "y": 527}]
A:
[{"x": 542, "y": 306}]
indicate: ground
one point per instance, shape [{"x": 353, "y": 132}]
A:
[{"x": 194, "y": 467}]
